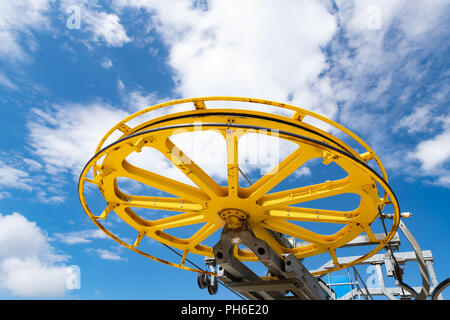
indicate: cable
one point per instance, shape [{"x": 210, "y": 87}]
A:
[
  {"x": 440, "y": 287},
  {"x": 243, "y": 174},
  {"x": 196, "y": 266},
  {"x": 364, "y": 284},
  {"x": 397, "y": 268},
  {"x": 420, "y": 260}
]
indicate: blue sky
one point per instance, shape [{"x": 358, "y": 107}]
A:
[{"x": 380, "y": 68}]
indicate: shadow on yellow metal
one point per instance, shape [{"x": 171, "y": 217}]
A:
[{"x": 203, "y": 203}]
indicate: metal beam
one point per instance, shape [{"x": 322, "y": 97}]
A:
[
  {"x": 362, "y": 240},
  {"x": 291, "y": 275},
  {"x": 309, "y": 286},
  {"x": 402, "y": 257},
  {"x": 234, "y": 271},
  {"x": 257, "y": 286},
  {"x": 394, "y": 291}
]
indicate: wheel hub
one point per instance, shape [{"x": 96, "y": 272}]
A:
[{"x": 234, "y": 218}]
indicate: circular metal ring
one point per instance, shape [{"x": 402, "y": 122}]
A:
[{"x": 332, "y": 150}]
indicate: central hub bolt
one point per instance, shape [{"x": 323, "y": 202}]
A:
[{"x": 233, "y": 217}]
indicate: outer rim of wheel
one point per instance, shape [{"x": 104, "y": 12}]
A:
[
  {"x": 200, "y": 101},
  {"x": 377, "y": 177},
  {"x": 262, "y": 102}
]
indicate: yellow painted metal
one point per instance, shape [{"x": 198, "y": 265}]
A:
[
  {"x": 234, "y": 218},
  {"x": 203, "y": 203}
]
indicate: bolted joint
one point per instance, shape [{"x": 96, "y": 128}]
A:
[
  {"x": 234, "y": 222},
  {"x": 234, "y": 218}
]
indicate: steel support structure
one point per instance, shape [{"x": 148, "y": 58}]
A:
[
  {"x": 287, "y": 277},
  {"x": 380, "y": 260}
]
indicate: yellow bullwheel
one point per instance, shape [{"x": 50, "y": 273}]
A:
[{"x": 268, "y": 215}]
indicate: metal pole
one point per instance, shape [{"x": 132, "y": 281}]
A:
[{"x": 364, "y": 284}]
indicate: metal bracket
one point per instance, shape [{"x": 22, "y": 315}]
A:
[{"x": 289, "y": 273}]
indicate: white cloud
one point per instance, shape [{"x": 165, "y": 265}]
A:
[
  {"x": 378, "y": 74},
  {"x": 102, "y": 27},
  {"x": 4, "y": 81},
  {"x": 11, "y": 177},
  {"x": 264, "y": 53},
  {"x": 433, "y": 155},
  {"x": 443, "y": 180},
  {"x": 247, "y": 48},
  {"x": 22, "y": 238},
  {"x": 265, "y": 50},
  {"x": 137, "y": 100},
  {"x": 258, "y": 153},
  {"x": 31, "y": 279},
  {"x": 120, "y": 85},
  {"x": 19, "y": 172},
  {"x": 33, "y": 165},
  {"x": 43, "y": 197},
  {"x": 106, "y": 28},
  {"x": 17, "y": 20},
  {"x": 417, "y": 121},
  {"x": 29, "y": 266},
  {"x": 152, "y": 160},
  {"x": 4, "y": 195},
  {"x": 108, "y": 255},
  {"x": 76, "y": 237},
  {"x": 106, "y": 63},
  {"x": 303, "y": 172},
  {"x": 66, "y": 136},
  {"x": 434, "y": 152},
  {"x": 365, "y": 65}
]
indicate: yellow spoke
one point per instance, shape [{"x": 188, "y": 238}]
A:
[
  {"x": 199, "y": 105},
  {"x": 232, "y": 162},
  {"x": 207, "y": 230},
  {"x": 179, "y": 220},
  {"x": 162, "y": 203},
  {"x": 334, "y": 257},
  {"x": 165, "y": 184},
  {"x": 107, "y": 210},
  {"x": 293, "y": 230},
  {"x": 192, "y": 170},
  {"x": 264, "y": 234},
  {"x": 314, "y": 215},
  {"x": 183, "y": 257},
  {"x": 139, "y": 238},
  {"x": 307, "y": 193},
  {"x": 277, "y": 174},
  {"x": 369, "y": 232}
]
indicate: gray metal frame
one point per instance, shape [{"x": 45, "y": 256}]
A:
[
  {"x": 293, "y": 281},
  {"x": 289, "y": 279}
]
